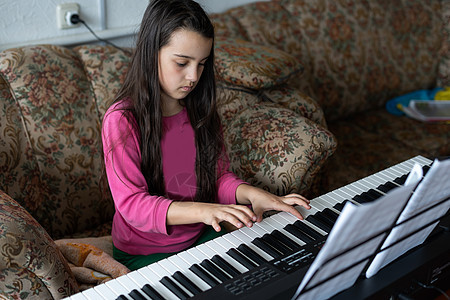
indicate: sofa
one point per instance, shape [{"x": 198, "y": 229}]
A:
[
  {"x": 357, "y": 55},
  {"x": 301, "y": 89}
]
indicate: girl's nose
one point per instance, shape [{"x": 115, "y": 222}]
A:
[{"x": 192, "y": 74}]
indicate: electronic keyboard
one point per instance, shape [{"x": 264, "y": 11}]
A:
[{"x": 252, "y": 262}]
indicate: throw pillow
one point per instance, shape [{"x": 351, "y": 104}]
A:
[{"x": 248, "y": 65}]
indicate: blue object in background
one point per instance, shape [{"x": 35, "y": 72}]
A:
[{"x": 394, "y": 105}]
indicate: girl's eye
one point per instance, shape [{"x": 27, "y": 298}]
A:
[{"x": 181, "y": 64}]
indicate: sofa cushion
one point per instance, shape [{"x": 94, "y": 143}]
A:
[
  {"x": 59, "y": 119},
  {"x": 276, "y": 149},
  {"x": 297, "y": 101},
  {"x": 263, "y": 23},
  {"x": 245, "y": 64},
  {"x": 105, "y": 67}
]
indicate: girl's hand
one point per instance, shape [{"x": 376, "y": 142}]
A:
[
  {"x": 263, "y": 201},
  {"x": 237, "y": 215},
  {"x": 185, "y": 212}
]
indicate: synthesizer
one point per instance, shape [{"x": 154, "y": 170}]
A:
[{"x": 265, "y": 261}]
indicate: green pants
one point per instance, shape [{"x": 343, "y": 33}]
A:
[{"x": 134, "y": 262}]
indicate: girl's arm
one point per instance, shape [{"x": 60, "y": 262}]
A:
[{"x": 237, "y": 215}]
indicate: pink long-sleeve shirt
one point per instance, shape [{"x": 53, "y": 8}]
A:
[{"x": 139, "y": 224}]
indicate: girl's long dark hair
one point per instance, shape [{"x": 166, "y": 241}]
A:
[{"x": 141, "y": 85}]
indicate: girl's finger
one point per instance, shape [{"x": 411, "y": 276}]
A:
[
  {"x": 297, "y": 196},
  {"x": 216, "y": 225}
]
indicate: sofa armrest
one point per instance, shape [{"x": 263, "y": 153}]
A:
[
  {"x": 277, "y": 149},
  {"x": 31, "y": 266}
]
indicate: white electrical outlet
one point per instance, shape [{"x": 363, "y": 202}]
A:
[{"x": 63, "y": 13}]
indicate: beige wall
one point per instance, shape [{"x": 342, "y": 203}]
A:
[{"x": 26, "y": 22}]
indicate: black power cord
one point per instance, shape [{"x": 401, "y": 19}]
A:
[{"x": 75, "y": 19}]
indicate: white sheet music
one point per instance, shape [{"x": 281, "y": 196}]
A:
[
  {"x": 354, "y": 225},
  {"x": 434, "y": 187}
]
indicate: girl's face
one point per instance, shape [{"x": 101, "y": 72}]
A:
[{"x": 181, "y": 63}]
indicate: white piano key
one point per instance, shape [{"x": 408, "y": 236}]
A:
[
  {"x": 337, "y": 196},
  {"x": 117, "y": 288},
  {"x": 183, "y": 267},
  {"x": 128, "y": 283},
  {"x": 393, "y": 173},
  {"x": 154, "y": 282},
  {"x": 402, "y": 168},
  {"x": 140, "y": 281},
  {"x": 326, "y": 204},
  {"x": 105, "y": 291},
  {"x": 92, "y": 294},
  {"x": 330, "y": 199},
  {"x": 226, "y": 245},
  {"x": 200, "y": 256},
  {"x": 372, "y": 180},
  {"x": 318, "y": 205},
  {"x": 350, "y": 191},
  {"x": 78, "y": 296},
  {"x": 254, "y": 231},
  {"x": 343, "y": 195},
  {"x": 385, "y": 177}
]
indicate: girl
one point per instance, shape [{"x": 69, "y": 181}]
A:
[{"x": 164, "y": 155}]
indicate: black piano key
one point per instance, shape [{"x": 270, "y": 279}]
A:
[
  {"x": 324, "y": 218},
  {"x": 242, "y": 259},
  {"x": 276, "y": 244},
  {"x": 263, "y": 245},
  {"x": 285, "y": 239},
  {"x": 136, "y": 295},
  {"x": 226, "y": 266},
  {"x": 174, "y": 288},
  {"x": 318, "y": 223},
  {"x": 308, "y": 230},
  {"x": 331, "y": 214},
  {"x": 339, "y": 206},
  {"x": 272, "y": 238},
  {"x": 295, "y": 231},
  {"x": 401, "y": 180},
  {"x": 122, "y": 297},
  {"x": 425, "y": 169},
  {"x": 200, "y": 272},
  {"x": 386, "y": 187},
  {"x": 151, "y": 292},
  {"x": 213, "y": 269},
  {"x": 186, "y": 282},
  {"x": 363, "y": 198},
  {"x": 251, "y": 254},
  {"x": 375, "y": 194}
]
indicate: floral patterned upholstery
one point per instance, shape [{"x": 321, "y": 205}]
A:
[
  {"x": 30, "y": 270},
  {"x": 55, "y": 118},
  {"x": 244, "y": 64}
]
